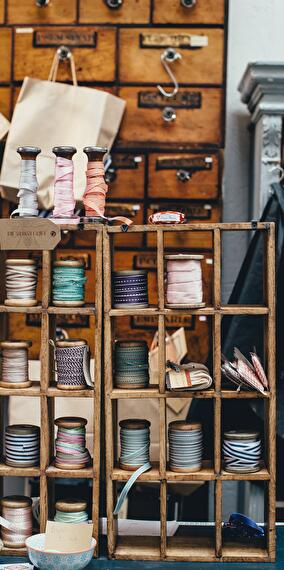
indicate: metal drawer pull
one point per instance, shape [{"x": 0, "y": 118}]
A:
[
  {"x": 169, "y": 114},
  {"x": 41, "y": 3},
  {"x": 110, "y": 175},
  {"x": 188, "y": 3},
  {"x": 183, "y": 175},
  {"x": 113, "y": 4},
  {"x": 170, "y": 55},
  {"x": 63, "y": 53}
]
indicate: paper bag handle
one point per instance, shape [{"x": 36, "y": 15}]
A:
[{"x": 63, "y": 53}]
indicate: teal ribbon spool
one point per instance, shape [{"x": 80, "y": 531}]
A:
[
  {"x": 71, "y": 511},
  {"x": 68, "y": 283},
  {"x": 131, "y": 364}
]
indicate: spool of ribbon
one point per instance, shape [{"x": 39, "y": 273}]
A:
[
  {"x": 167, "y": 217},
  {"x": 185, "y": 446},
  {"x": 70, "y": 444},
  {"x": 130, "y": 289},
  {"x": 134, "y": 453},
  {"x": 64, "y": 199},
  {"x": 28, "y": 185},
  {"x": 131, "y": 364},
  {"x": 18, "y": 511},
  {"x": 72, "y": 364},
  {"x": 184, "y": 281},
  {"x": 22, "y": 445},
  {"x": 21, "y": 282},
  {"x": 15, "y": 364},
  {"x": 192, "y": 376},
  {"x": 71, "y": 511},
  {"x": 242, "y": 451},
  {"x": 68, "y": 283},
  {"x": 96, "y": 188}
]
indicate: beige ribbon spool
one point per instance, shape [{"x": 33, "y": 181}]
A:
[
  {"x": 8, "y": 354},
  {"x": 15, "y": 265}
]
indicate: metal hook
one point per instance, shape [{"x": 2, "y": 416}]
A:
[
  {"x": 169, "y": 56},
  {"x": 280, "y": 169},
  {"x": 63, "y": 53}
]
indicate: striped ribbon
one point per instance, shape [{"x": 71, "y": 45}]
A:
[
  {"x": 135, "y": 450},
  {"x": 70, "y": 446},
  {"x": 242, "y": 455}
]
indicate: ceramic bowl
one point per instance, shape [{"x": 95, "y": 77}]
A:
[{"x": 57, "y": 560}]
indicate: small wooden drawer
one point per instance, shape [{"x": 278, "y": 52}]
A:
[
  {"x": 5, "y": 101},
  {"x": 2, "y": 11},
  {"x": 196, "y": 213},
  {"x": 182, "y": 12},
  {"x": 126, "y": 176},
  {"x": 141, "y": 50},
  {"x": 113, "y": 12},
  {"x": 54, "y": 12},
  {"x": 198, "y": 116},
  {"x": 184, "y": 176},
  {"x": 93, "y": 50},
  {"x": 5, "y": 54}
]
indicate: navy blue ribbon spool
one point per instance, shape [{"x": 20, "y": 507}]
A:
[{"x": 130, "y": 289}]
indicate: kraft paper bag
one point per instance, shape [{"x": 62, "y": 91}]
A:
[{"x": 49, "y": 114}]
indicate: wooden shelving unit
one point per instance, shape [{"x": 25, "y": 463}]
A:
[
  {"x": 200, "y": 547},
  {"x": 46, "y": 391}
]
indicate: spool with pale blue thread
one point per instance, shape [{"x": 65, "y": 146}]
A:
[
  {"x": 69, "y": 283},
  {"x": 71, "y": 511}
]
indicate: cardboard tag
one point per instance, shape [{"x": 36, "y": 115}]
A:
[
  {"x": 23, "y": 233},
  {"x": 66, "y": 537}
]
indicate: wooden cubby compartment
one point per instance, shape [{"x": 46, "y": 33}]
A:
[
  {"x": 46, "y": 391},
  {"x": 199, "y": 548}
]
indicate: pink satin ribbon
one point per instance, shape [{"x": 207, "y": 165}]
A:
[
  {"x": 184, "y": 282},
  {"x": 95, "y": 194},
  {"x": 64, "y": 200}
]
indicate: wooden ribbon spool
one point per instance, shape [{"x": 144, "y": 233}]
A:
[
  {"x": 184, "y": 257},
  {"x": 68, "y": 263},
  {"x": 16, "y": 502},
  {"x": 181, "y": 425},
  {"x": 70, "y": 422},
  {"x": 13, "y": 345},
  {"x": 69, "y": 343},
  {"x": 71, "y": 505},
  {"x": 134, "y": 424},
  {"x": 20, "y": 302}
]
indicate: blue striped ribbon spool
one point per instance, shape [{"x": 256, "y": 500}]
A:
[
  {"x": 134, "y": 453},
  {"x": 185, "y": 446},
  {"x": 22, "y": 445},
  {"x": 130, "y": 289},
  {"x": 131, "y": 364},
  {"x": 242, "y": 451}
]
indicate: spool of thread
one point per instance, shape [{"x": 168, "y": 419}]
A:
[
  {"x": 70, "y": 444},
  {"x": 17, "y": 510},
  {"x": 22, "y": 445},
  {"x": 242, "y": 451},
  {"x": 15, "y": 364},
  {"x": 21, "y": 282},
  {"x": 185, "y": 446},
  {"x": 134, "y": 453},
  {"x": 131, "y": 363},
  {"x": 184, "y": 281},
  {"x": 94, "y": 197},
  {"x": 28, "y": 185},
  {"x": 69, "y": 283},
  {"x": 72, "y": 359},
  {"x": 71, "y": 511},
  {"x": 130, "y": 289},
  {"x": 64, "y": 198},
  {"x": 134, "y": 444}
]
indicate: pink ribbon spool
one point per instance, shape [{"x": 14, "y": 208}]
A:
[{"x": 184, "y": 281}]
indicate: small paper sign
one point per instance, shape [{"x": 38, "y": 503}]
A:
[
  {"x": 35, "y": 233},
  {"x": 66, "y": 537}
]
